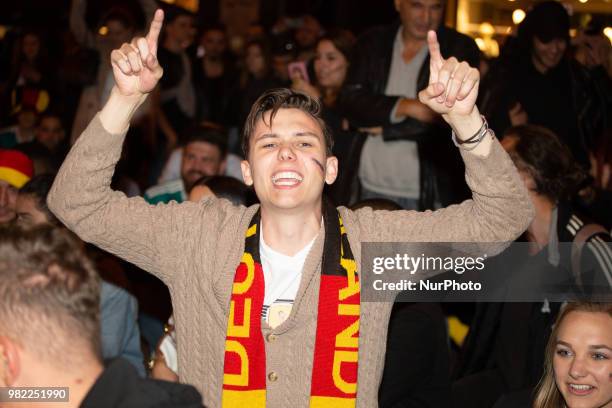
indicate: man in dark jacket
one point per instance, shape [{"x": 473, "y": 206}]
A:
[
  {"x": 50, "y": 331},
  {"x": 390, "y": 67}
]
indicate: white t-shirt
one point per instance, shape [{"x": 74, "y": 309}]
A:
[
  {"x": 168, "y": 348},
  {"x": 282, "y": 275}
]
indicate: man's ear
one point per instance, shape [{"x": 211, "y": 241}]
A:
[
  {"x": 331, "y": 169},
  {"x": 10, "y": 366},
  {"x": 246, "y": 172}
]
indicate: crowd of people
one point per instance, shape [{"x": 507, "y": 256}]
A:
[{"x": 140, "y": 166}]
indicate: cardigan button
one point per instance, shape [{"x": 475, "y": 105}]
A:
[
  {"x": 271, "y": 337},
  {"x": 272, "y": 376}
]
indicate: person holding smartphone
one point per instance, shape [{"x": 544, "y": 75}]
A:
[{"x": 333, "y": 55}]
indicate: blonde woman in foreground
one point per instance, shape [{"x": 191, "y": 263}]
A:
[{"x": 578, "y": 360}]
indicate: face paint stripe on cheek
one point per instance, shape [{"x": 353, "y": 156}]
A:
[{"x": 319, "y": 164}]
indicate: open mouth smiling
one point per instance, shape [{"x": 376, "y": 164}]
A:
[{"x": 287, "y": 178}]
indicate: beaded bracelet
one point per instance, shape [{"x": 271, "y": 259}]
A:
[{"x": 475, "y": 139}]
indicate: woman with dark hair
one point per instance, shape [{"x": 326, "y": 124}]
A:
[
  {"x": 334, "y": 52},
  {"x": 538, "y": 82},
  {"x": 330, "y": 66},
  {"x": 30, "y": 65},
  {"x": 578, "y": 359}
]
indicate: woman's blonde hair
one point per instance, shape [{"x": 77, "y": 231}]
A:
[{"x": 547, "y": 393}]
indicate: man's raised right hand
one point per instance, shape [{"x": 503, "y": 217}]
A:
[{"x": 135, "y": 65}]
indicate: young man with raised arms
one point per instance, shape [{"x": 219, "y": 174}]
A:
[{"x": 251, "y": 331}]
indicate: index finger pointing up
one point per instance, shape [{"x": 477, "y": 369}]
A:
[
  {"x": 153, "y": 34},
  {"x": 434, "y": 48}
]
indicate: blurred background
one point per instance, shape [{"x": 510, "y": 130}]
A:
[{"x": 488, "y": 21}]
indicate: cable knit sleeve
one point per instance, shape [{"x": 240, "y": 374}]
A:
[
  {"x": 499, "y": 211},
  {"x": 149, "y": 236}
]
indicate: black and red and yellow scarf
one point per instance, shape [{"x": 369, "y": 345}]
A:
[{"x": 334, "y": 373}]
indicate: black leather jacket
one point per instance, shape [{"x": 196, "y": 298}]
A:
[{"x": 364, "y": 103}]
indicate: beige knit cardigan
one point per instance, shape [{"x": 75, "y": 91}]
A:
[{"x": 195, "y": 248}]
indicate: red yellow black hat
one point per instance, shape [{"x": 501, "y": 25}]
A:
[{"x": 15, "y": 167}]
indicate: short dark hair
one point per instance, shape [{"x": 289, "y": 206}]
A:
[
  {"x": 540, "y": 153},
  {"x": 283, "y": 98},
  {"x": 200, "y": 133},
  {"x": 547, "y": 21},
  {"x": 226, "y": 187},
  {"x": 50, "y": 114},
  {"x": 50, "y": 294},
  {"x": 172, "y": 12},
  {"x": 38, "y": 187}
]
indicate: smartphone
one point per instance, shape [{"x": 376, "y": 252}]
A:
[{"x": 298, "y": 69}]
